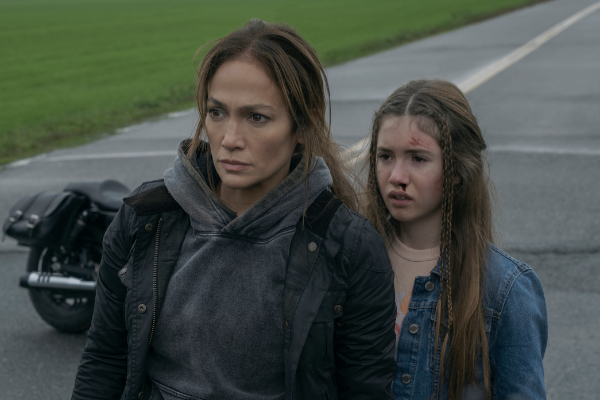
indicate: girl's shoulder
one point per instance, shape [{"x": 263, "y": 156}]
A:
[
  {"x": 502, "y": 263},
  {"x": 506, "y": 276}
]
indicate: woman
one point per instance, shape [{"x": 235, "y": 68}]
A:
[
  {"x": 240, "y": 276},
  {"x": 471, "y": 319}
]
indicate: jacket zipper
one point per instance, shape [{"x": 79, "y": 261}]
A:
[{"x": 155, "y": 281}]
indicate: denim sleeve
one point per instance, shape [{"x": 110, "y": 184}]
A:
[{"x": 519, "y": 342}]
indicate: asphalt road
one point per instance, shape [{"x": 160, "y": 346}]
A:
[{"x": 540, "y": 118}]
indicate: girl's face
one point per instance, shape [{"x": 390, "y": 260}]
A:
[
  {"x": 249, "y": 129},
  {"x": 409, "y": 172}
]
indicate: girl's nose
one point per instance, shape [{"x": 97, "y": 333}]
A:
[{"x": 399, "y": 176}]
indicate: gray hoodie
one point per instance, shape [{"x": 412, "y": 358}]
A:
[{"x": 219, "y": 334}]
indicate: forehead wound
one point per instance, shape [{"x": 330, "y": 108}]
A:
[{"x": 419, "y": 142}]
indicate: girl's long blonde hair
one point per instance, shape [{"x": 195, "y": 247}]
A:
[{"x": 441, "y": 110}]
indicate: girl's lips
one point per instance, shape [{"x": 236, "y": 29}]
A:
[
  {"x": 399, "y": 198},
  {"x": 233, "y": 165}
]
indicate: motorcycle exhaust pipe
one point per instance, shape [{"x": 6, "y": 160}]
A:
[{"x": 35, "y": 280}]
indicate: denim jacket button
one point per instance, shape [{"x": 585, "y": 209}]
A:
[
  {"x": 414, "y": 328},
  {"x": 141, "y": 395},
  {"x": 285, "y": 325},
  {"x": 429, "y": 286},
  {"x": 148, "y": 227},
  {"x": 405, "y": 379},
  {"x": 337, "y": 309},
  {"x": 123, "y": 271},
  {"x": 142, "y": 308},
  {"x": 312, "y": 246}
]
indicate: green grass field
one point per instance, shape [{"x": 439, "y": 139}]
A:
[{"x": 72, "y": 69}]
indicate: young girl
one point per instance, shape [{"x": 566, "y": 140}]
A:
[
  {"x": 471, "y": 319},
  {"x": 240, "y": 276}
]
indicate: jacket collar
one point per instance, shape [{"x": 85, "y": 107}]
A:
[{"x": 152, "y": 201}]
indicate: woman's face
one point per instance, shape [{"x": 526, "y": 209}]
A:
[
  {"x": 409, "y": 172},
  {"x": 249, "y": 129}
]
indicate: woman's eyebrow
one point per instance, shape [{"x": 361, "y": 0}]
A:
[
  {"x": 255, "y": 107},
  {"x": 245, "y": 108},
  {"x": 216, "y": 102}
]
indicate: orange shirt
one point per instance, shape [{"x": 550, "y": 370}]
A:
[{"x": 408, "y": 264}]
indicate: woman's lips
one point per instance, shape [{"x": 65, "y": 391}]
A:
[
  {"x": 399, "y": 198},
  {"x": 233, "y": 165}
]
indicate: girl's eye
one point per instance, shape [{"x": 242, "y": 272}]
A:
[
  {"x": 419, "y": 159},
  {"x": 213, "y": 112},
  {"x": 258, "y": 118},
  {"x": 384, "y": 157}
]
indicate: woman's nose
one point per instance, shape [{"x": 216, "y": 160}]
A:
[{"x": 232, "y": 137}]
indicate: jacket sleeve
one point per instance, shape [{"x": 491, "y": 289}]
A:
[
  {"x": 103, "y": 368},
  {"x": 364, "y": 353},
  {"x": 520, "y": 341}
]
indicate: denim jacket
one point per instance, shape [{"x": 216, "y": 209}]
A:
[{"x": 515, "y": 322}]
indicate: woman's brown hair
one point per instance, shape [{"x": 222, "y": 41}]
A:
[
  {"x": 441, "y": 110},
  {"x": 293, "y": 65}
]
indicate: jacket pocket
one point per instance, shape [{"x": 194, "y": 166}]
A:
[
  {"x": 126, "y": 277},
  {"x": 317, "y": 352},
  {"x": 159, "y": 388}
]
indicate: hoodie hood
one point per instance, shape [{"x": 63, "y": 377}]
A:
[{"x": 281, "y": 208}]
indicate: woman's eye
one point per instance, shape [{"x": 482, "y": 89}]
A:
[
  {"x": 213, "y": 112},
  {"x": 258, "y": 118},
  {"x": 419, "y": 159},
  {"x": 384, "y": 157}
]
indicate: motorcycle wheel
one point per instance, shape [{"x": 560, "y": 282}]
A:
[{"x": 65, "y": 313}]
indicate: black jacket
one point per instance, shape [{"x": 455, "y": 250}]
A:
[{"x": 338, "y": 304}]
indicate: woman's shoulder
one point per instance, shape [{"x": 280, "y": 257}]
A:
[
  {"x": 348, "y": 225},
  {"x": 151, "y": 197},
  {"x": 147, "y": 185},
  {"x": 506, "y": 276},
  {"x": 360, "y": 243}
]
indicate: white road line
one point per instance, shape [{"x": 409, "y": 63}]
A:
[
  {"x": 179, "y": 114},
  {"x": 574, "y": 151},
  {"x": 81, "y": 157},
  {"x": 45, "y": 158},
  {"x": 75, "y": 157},
  {"x": 358, "y": 148},
  {"x": 20, "y": 163},
  {"x": 171, "y": 153},
  {"x": 510, "y": 59}
]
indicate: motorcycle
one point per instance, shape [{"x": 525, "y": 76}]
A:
[{"x": 64, "y": 232}]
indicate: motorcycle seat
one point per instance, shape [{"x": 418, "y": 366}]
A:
[{"x": 107, "y": 195}]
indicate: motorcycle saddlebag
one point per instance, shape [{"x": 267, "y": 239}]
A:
[{"x": 39, "y": 219}]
